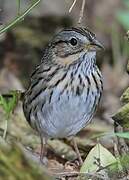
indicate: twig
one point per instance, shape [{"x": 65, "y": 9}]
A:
[
  {"x": 120, "y": 148},
  {"x": 19, "y": 7},
  {"x": 117, "y": 155},
  {"x": 81, "y": 12},
  {"x": 19, "y": 18},
  {"x": 76, "y": 174},
  {"x": 59, "y": 173},
  {"x": 70, "y": 9},
  {"x": 5, "y": 129}
]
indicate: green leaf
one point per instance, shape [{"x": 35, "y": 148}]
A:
[
  {"x": 9, "y": 104},
  {"x": 3, "y": 103},
  {"x": 123, "y": 18},
  {"x": 97, "y": 157},
  {"x": 125, "y": 96},
  {"x": 123, "y": 135}
]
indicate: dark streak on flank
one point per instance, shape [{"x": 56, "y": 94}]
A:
[
  {"x": 50, "y": 97},
  {"x": 78, "y": 92},
  {"x": 96, "y": 84},
  {"x": 28, "y": 118},
  {"x": 44, "y": 70},
  {"x": 36, "y": 95},
  {"x": 80, "y": 79},
  {"x": 88, "y": 88},
  {"x": 56, "y": 84},
  {"x": 36, "y": 82}
]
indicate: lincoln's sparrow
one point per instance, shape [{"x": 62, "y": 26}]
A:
[{"x": 65, "y": 87}]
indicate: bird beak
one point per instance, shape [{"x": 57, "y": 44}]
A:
[{"x": 96, "y": 44}]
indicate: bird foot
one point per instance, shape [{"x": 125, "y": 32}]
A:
[{"x": 44, "y": 161}]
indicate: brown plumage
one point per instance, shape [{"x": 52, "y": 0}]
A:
[{"x": 66, "y": 86}]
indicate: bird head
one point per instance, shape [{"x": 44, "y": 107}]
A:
[{"x": 70, "y": 44}]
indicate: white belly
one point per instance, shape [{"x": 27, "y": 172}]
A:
[{"x": 67, "y": 116}]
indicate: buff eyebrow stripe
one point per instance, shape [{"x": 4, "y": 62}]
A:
[{"x": 60, "y": 41}]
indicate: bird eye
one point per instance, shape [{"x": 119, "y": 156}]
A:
[{"x": 73, "y": 41}]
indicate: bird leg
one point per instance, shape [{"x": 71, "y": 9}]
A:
[
  {"x": 43, "y": 149},
  {"x": 77, "y": 152}
]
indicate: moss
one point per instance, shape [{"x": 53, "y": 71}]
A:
[
  {"x": 16, "y": 166},
  {"x": 125, "y": 96},
  {"x": 122, "y": 116}
]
